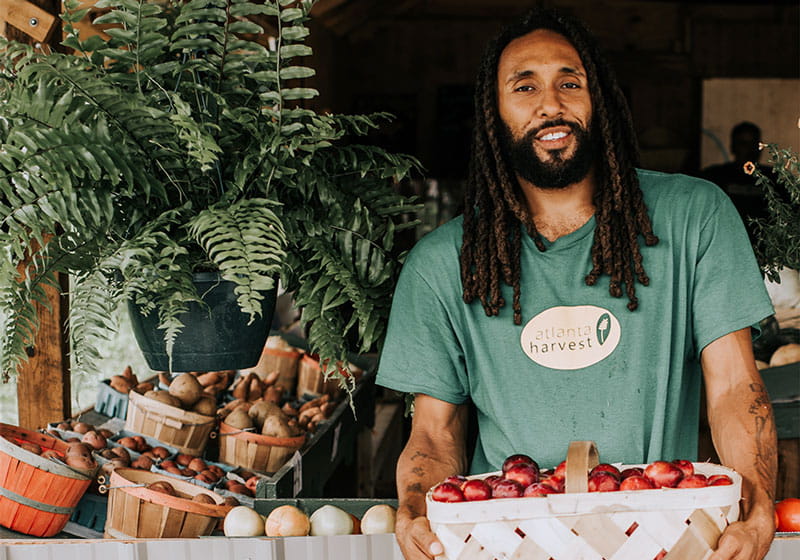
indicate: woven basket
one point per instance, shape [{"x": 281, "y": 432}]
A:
[
  {"x": 135, "y": 511},
  {"x": 279, "y": 356},
  {"x": 182, "y": 429},
  {"x": 667, "y": 523},
  {"x": 311, "y": 380},
  {"x": 37, "y": 495},
  {"x": 254, "y": 451}
]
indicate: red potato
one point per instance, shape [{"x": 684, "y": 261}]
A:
[
  {"x": 447, "y": 492},
  {"x": 507, "y": 488},
  {"x": 475, "y": 490},
  {"x": 663, "y": 474},
  {"x": 538, "y": 490}
]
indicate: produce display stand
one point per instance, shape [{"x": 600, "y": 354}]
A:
[{"x": 346, "y": 547}]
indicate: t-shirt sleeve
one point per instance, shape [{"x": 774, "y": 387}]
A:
[
  {"x": 729, "y": 293},
  {"x": 421, "y": 353}
]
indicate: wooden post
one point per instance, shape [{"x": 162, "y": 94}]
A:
[{"x": 43, "y": 384}]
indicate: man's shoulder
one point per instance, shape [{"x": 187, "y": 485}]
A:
[
  {"x": 678, "y": 189},
  {"x": 442, "y": 241}
]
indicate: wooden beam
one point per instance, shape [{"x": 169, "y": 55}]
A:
[
  {"x": 43, "y": 385},
  {"x": 322, "y": 7},
  {"x": 29, "y": 18}
]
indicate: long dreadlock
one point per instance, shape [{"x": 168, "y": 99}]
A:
[{"x": 494, "y": 204}]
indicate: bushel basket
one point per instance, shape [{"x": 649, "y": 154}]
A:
[
  {"x": 663, "y": 524},
  {"x": 279, "y": 356},
  {"x": 182, "y": 429},
  {"x": 255, "y": 451},
  {"x": 135, "y": 511},
  {"x": 37, "y": 495}
]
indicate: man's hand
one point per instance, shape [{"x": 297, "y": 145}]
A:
[
  {"x": 434, "y": 451},
  {"x": 745, "y": 540},
  {"x": 414, "y": 536}
]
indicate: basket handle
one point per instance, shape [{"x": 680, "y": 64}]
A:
[{"x": 582, "y": 456}]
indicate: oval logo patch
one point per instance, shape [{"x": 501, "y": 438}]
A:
[{"x": 570, "y": 337}]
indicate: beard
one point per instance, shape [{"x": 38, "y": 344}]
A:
[{"x": 559, "y": 171}]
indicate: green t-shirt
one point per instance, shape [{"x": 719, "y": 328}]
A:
[{"x": 581, "y": 366}]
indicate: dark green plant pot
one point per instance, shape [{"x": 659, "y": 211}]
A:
[{"x": 214, "y": 338}]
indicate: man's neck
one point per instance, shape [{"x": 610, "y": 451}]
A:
[{"x": 559, "y": 212}]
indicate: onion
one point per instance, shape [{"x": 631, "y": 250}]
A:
[
  {"x": 331, "y": 520},
  {"x": 287, "y": 521},
  {"x": 378, "y": 519},
  {"x": 243, "y": 521}
]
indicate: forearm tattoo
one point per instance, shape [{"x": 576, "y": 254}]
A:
[{"x": 765, "y": 437}]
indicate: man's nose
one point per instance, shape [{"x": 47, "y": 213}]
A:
[{"x": 550, "y": 105}]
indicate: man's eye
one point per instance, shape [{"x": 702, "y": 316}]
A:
[
  {"x": 523, "y": 88},
  {"x": 571, "y": 85}
]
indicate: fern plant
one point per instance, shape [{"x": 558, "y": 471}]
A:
[{"x": 180, "y": 145}]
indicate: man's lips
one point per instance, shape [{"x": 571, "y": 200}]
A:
[{"x": 554, "y": 137}]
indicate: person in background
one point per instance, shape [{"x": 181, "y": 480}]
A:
[
  {"x": 577, "y": 298},
  {"x": 739, "y": 185}
]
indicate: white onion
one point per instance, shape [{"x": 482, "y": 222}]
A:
[
  {"x": 242, "y": 521},
  {"x": 331, "y": 520},
  {"x": 287, "y": 521},
  {"x": 378, "y": 519}
]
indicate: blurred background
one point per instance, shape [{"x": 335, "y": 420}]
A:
[{"x": 691, "y": 71}]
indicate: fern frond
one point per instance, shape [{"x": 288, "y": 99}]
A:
[{"x": 246, "y": 242}]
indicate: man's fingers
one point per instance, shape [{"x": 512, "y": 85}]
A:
[{"x": 425, "y": 540}]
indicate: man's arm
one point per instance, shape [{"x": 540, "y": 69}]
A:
[
  {"x": 434, "y": 451},
  {"x": 743, "y": 430}
]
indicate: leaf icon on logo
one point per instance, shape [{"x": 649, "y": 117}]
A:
[{"x": 603, "y": 328}]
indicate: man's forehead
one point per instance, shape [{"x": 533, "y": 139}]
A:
[{"x": 538, "y": 49}]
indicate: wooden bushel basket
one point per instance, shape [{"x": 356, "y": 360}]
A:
[
  {"x": 188, "y": 431},
  {"x": 137, "y": 512},
  {"x": 666, "y": 523},
  {"x": 254, "y": 451},
  {"x": 37, "y": 495},
  {"x": 311, "y": 380},
  {"x": 279, "y": 356}
]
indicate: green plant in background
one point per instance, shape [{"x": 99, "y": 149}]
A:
[
  {"x": 181, "y": 145},
  {"x": 778, "y": 235}
]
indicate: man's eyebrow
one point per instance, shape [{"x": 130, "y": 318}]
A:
[{"x": 519, "y": 74}]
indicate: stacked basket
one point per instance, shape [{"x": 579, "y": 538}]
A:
[
  {"x": 279, "y": 356},
  {"x": 183, "y": 429},
  {"x": 667, "y": 523},
  {"x": 136, "y": 511},
  {"x": 255, "y": 451},
  {"x": 37, "y": 495}
]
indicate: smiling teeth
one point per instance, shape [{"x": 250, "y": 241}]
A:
[{"x": 554, "y": 136}]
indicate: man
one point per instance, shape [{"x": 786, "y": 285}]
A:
[
  {"x": 732, "y": 178},
  {"x": 505, "y": 308}
]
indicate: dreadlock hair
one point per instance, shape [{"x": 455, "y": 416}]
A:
[{"x": 495, "y": 206}]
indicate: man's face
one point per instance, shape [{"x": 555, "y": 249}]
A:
[{"x": 544, "y": 102}]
